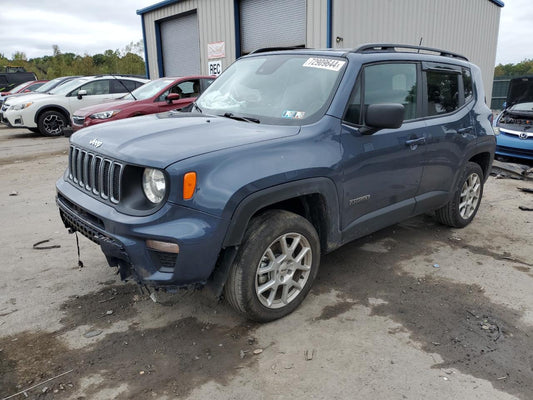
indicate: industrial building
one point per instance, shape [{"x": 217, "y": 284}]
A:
[{"x": 184, "y": 37}]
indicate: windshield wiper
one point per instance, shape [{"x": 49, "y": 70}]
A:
[
  {"x": 196, "y": 106},
  {"x": 240, "y": 118}
]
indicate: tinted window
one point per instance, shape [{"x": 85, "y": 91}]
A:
[
  {"x": 442, "y": 92},
  {"x": 96, "y": 87},
  {"x": 124, "y": 85},
  {"x": 384, "y": 83}
]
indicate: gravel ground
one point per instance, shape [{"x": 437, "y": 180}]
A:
[{"x": 382, "y": 322}]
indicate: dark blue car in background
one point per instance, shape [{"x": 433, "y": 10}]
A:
[{"x": 285, "y": 157}]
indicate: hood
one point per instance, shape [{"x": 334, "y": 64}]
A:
[
  {"x": 520, "y": 91},
  {"x": 25, "y": 97},
  {"x": 108, "y": 105},
  {"x": 158, "y": 140}
]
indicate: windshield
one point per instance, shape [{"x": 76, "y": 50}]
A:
[
  {"x": 49, "y": 85},
  {"x": 286, "y": 89},
  {"x": 149, "y": 89},
  {"x": 522, "y": 107},
  {"x": 69, "y": 86},
  {"x": 20, "y": 87}
]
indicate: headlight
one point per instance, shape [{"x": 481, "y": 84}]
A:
[
  {"x": 154, "y": 185},
  {"x": 104, "y": 114},
  {"x": 22, "y": 106},
  {"x": 496, "y": 130}
]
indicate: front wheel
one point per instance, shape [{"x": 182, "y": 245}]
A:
[
  {"x": 51, "y": 123},
  {"x": 274, "y": 267},
  {"x": 462, "y": 208}
]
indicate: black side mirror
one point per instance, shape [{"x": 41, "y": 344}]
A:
[
  {"x": 171, "y": 97},
  {"x": 382, "y": 116}
]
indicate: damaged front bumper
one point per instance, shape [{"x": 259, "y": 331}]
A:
[{"x": 127, "y": 241}]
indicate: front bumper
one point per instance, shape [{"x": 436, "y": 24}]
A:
[
  {"x": 15, "y": 119},
  {"x": 512, "y": 146},
  {"x": 122, "y": 238}
]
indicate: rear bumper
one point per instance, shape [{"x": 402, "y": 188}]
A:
[{"x": 123, "y": 238}]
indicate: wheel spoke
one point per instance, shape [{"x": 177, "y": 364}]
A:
[
  {"x": 302, "y": 254},
  {"x": 284, "y": 245},
  {"x": 271, "y": 297},
  {"x": 294, "y": 244},
  {"x": 272, "y": 284},
  {"x": 285, "y": 293}
]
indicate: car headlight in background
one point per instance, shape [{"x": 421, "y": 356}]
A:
[
  {"x": 104, "y": 114},
  {"x": 21, "y": 106},
  {"x": 496, "y": 130},
  {"x": 154, "y": 185}
]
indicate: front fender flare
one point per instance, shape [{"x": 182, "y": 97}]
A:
[{"x": 275, "y": 194}]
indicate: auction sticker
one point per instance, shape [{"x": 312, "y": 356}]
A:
[
  {"x": 324, "y": 63},
  {"x": 294, "y": 114}
]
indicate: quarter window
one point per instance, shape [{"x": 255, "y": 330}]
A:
[
  {"x": 467, "y": 84},
  {"x": 442, "y": 92}
]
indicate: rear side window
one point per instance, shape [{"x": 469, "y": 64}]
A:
[
  {"x": 384, "y": 83},
  {"x": 442, "y": 92}
]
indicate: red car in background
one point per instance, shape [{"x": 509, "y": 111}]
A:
[
  {"x": 25, "y": 87},
  {"x": 159, "y": 95}
]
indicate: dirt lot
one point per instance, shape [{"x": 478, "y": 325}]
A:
[{"x": 382, "y": 322}]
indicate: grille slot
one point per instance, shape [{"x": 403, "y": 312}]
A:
[{"x": 96, "y": 174}]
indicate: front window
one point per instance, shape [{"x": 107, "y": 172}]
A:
[
  {"x": 149, "y": 89},
  {"x": 284, "y": 89},
  {"x": 69, "y": 86}
]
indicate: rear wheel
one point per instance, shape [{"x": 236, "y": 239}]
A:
[
  {"x": 462, "y": 208},
  {"x": 275, "y": 266},
  {"x": 51, "y": 123}
]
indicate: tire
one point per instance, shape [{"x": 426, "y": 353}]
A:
[
  {"x": 51, "y": 123},
  {"x": 259, "y": 285},
  {"x": 462, "y": 208}
]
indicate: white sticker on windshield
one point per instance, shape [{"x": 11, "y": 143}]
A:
[{"x": 324, "y": 63}]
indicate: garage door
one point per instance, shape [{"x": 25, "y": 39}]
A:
[
  {"x": 272, "y": 23},
  {"x": 180, "y": 45}
]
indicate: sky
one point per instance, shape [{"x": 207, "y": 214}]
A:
[{"x": 83, "y": 26}]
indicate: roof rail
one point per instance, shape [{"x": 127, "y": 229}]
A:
[
  {"x": 380, "y": 47},
  {"x": 265, "y": 49}
]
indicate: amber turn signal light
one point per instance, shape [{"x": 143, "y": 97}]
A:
[{"x": 189, "y": 185}]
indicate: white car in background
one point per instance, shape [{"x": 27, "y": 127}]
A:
[{"x": 50, "y": 112}]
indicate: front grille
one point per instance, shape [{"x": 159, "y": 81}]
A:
[
  {"x": 78, "y": 119},
  {"x": 96, "y": 174}
]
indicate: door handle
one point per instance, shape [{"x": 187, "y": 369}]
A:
[
  {"x": 466, "y": 130},
  {"x": 415, "y": 142}
]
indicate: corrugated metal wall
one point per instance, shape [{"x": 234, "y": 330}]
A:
[
  {"x": 317, "y": 24},
  {"x": 216, "y": 23},
  {"x": 466, "y": 27}
]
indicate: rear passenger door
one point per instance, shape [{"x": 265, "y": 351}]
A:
[
  {"x": 447, "y": 106},
  {"x": 382, "y": 171}
]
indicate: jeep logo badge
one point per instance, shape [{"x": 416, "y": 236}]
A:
[
  {"x": 523, "y": 135},
  {"x": 96, "y": 143}
]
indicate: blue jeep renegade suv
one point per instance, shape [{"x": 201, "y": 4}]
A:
[{"x": 285, "y": 157}]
